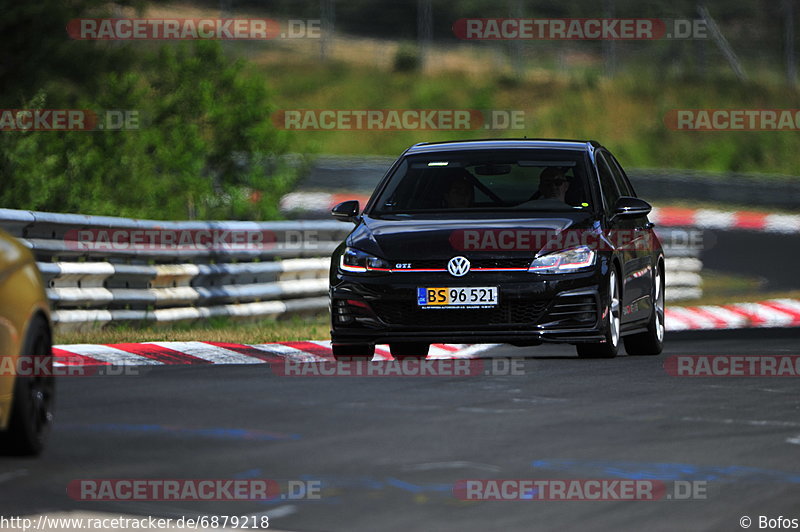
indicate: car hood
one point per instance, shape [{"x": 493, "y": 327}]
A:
[{"x": 425, "y": 239}]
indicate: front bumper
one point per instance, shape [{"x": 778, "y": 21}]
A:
[{"x": 531, "y": 309}]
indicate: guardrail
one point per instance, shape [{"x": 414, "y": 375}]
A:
[
  {"x": 101, "y": 269},
  {"x": 682, "y": 260}
]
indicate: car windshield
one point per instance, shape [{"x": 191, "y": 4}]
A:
[{"x": 483, "y": 180}]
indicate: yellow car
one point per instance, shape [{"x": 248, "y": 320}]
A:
[{"x": 26, "y": 389}]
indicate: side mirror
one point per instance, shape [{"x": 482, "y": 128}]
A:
[
  {"x": 630, "y": 207},
  {"x": 347, "y": 211}
]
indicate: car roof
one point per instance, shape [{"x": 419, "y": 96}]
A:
[{"x": 494, "y": 144}]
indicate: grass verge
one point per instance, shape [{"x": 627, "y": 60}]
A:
[
  {"x": 263, "y": 332},
  {"x": 726, "y": 289}
]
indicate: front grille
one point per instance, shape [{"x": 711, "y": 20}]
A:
[
  {"x": 576, "y": 310},
  {"x": 501, "y": 263},
  {"x": 476, "y": 263},
  {"x": 408, "y": 314}
]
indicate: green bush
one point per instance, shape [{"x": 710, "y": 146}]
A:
[{"x": 205, "y": 147}]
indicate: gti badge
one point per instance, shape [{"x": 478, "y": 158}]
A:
[{"x": 458, "y": 266}]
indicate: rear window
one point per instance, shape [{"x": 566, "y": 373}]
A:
[{"x": 478, "y": 180}]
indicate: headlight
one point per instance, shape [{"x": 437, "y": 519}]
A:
[
  {"x": 569, "y": 260},
  {"x": 356, "y": 261}
]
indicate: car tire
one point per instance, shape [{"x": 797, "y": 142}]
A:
[
  {"x": 353, "y": 351},
  {"x": 612, "y": 309},
  {"x": 32, "y": 405},
  {"x": 403, "y": 351},
  {"x": 651, "y": 342}
]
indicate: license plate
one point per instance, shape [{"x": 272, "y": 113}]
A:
[{"x": 478, "y": 296}]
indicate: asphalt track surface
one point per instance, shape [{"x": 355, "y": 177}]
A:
[{"x": 387, "y": 451}]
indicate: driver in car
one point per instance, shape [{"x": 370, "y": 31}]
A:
[
  {"x": 553, "y": 186},
  {"x": 459, "y": 193}
]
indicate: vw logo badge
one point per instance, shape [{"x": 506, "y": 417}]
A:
[{"x": 458, "y": 266}]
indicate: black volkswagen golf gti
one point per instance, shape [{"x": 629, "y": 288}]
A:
[{"x": 499, "y": 241}]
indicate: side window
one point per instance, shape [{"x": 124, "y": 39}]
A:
[
  {"x": 610, "y": 192},
  {"x": 619, "y": 176}
]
